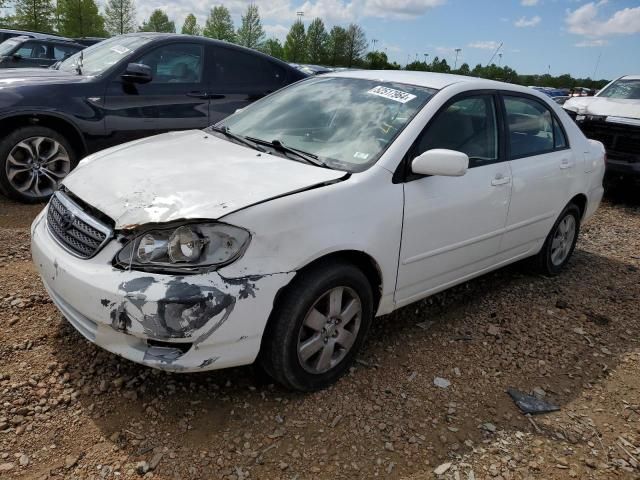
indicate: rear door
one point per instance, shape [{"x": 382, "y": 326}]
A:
[
  {"x": 543, "y": 169},
  {"x": 175, "y": 99},
  {"x": 239, "y": 78}
]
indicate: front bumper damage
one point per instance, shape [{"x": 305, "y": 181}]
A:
[{"x": 175, "y": 323}]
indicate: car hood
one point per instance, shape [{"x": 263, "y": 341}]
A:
[
  {"x": 186, "y": 175},
  {"x": 11, "y": 77},
  {"x": 616, "y": 107}
]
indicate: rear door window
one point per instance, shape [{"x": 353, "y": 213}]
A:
[
  {"x": 533, "y": 129},
  {"x": 32, "y": 50},
  {"x": 239, "y": 71}
]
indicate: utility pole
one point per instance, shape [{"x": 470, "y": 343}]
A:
[
  {"x": 374, "y": 41},
  {"x": 500, "y": 59},
  {"x": 495, "y": 53},
  {"x": 455, "y": 64},
  {"x": 425, "y": 58},
  {"x": 300, "y": 15}
]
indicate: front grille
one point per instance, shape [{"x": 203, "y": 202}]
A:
[
  {"x": 74, "y": 229},
  {"x": 621, "y": 142}
]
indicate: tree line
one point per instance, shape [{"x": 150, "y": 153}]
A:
[{"x": 315, "y": 44}]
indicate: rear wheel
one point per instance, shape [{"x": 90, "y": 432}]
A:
[
  {"x": 560, "y": 243},
  {"x": 33, "y": 161},
  {"x": 318, "y": 327}
]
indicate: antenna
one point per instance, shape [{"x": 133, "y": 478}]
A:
[
  {"x": 597, "y": 65},
  {"x": 494, "y": 53}
]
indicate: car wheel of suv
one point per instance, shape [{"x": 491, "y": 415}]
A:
[
  {"x": 318, "y": 327},
  {"x": 33, "y": 161},
  {"x": 561, "y": 241}
]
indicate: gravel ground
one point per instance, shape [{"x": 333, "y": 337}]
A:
[{"x": 70, "y": 410}]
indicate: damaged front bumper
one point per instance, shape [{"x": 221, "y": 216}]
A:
[{"x": 175, "y": 323}]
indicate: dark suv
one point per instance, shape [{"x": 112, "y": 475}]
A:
[
  {"x": 36, "y": 50},
  {"x": 118, "y": 90}
]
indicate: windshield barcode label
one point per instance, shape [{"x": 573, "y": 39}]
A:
[{"x": 392, "y": 94}]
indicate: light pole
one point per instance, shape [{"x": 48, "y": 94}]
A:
[
  {"x": 300, "y": 15},
  {"x": 455, "y": 63},
  {"x": 500, "y": 59},
  {"x": 425, "y": 58},
  {"x": 374, "y": 41}
]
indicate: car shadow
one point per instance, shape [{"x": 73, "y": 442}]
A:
[{"x": 506, "y": 329}]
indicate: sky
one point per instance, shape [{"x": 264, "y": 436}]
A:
[{"x": 598, "y": 39}]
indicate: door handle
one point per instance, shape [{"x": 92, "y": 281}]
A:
[
  {"x": 202, "y": 95},
  {"x": 216, "y": 96},
  {"x": 500, "y": 180},
  {"x": 566, "y": 163}
]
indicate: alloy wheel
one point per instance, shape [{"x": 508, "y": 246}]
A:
[
  {"x": 329, "y": 330},
  {"x": 36, "y": 165},
  {"x": 563, "y": 240}
]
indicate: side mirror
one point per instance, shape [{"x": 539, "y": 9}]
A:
[
  {"x": 137, "y": 73},
  {"x": 16, "y": 57},
  {"x": 442, "y": 162}
]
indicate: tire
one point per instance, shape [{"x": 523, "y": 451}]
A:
[
  {"x": 296, "y": 350},
  {"x": 33, "y": 161},
  {"x": 560, "y": 243}
]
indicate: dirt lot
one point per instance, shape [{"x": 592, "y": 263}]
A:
[{"x": 70, "y": 410}]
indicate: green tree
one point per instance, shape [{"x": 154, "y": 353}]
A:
[
  {"x": 336, "y": 47},
  {"x": 464, "y": 69},
  {"x": 355, "y": 44},
  {"x": 317, "y": 41},
  {"x": 80, "y": 18},
  {"x": 274, "y": 48},
  {"x": 190, "y": 25},
  {"x": 251, "y": 34},
  {"x": 295, "y": 44},
  {"x": 158, "y": 22},
  {"x": 377, "y": 61},
  {"x": 35, "y": 15},
  {"x": 219, "y": 25},
  {"x": 120, "y": 16}
]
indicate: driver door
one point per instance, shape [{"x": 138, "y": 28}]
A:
[
  {"x": 175, "y": 99},
  {"x": 453, "y": 225}
]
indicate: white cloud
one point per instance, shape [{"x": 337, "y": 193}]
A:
[
  {"x": 485, "y": 45},
  {"x": 587, "y": 21},
  {"x": 529, "y": 3},
  {"x": 591, "y": 43},
  {"x": 284, "y": 11},
  {"x": 527, "y": 22},
  {"x": 276, "y": 31}
]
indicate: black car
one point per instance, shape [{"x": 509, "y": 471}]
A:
[
  {"x": 88, "y": 41},
  {"x": 36, "y": 50},
  {"x": 118, "y": 90}
]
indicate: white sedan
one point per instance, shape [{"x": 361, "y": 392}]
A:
[{"x": 279, "y": 234}]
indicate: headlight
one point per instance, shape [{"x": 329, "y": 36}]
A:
[{"x": 191, "y": 246}]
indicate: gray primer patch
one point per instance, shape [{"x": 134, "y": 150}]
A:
[
  {"x": 247, "y": 284},
  {"x": 137, "y": 284},
  {"x": 208, "y": 361},
  {"x": 162, "y": 354}
]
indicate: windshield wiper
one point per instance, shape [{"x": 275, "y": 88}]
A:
[
  {"x": 278, "y": 146},
  {"x": 238, "y": 138},
  {"x": 79, "y": 64}
]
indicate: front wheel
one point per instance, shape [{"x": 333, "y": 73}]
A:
[
  {"x": 561, "y": 241},
  {"x": 318, "y": 327},
  {"x": 33, "y": 161}
]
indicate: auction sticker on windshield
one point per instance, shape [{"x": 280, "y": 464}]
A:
[{"x": 392, "y": 94}]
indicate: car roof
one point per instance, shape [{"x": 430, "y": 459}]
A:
[
  {"x": 425, "y": 79},
  {"x": 38, "y": 35},
  {"x": 630, "y": 77}
]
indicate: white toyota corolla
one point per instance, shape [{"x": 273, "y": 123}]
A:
[{"x": 280, "y": 233}]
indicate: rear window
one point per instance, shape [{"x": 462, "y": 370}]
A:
[{"x": 237, "y": 70}]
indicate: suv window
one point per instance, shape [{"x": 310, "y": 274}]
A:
[
  {"x": 32, "y": 50},
  {"x": 176, "y": 63},
  {"x": 468, "y": 125},
  {"x": 60, "y": 52},
  {"x": 533, "y": 129},
  {"x": 235, "y": 69}
]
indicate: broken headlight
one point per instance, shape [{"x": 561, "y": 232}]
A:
[{"x": 186, "y": 246}]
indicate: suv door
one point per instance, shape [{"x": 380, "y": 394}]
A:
[
  {"x": 239, "y": 78},
  {"x": 453, "y": 225},
  {"x": 542, "y": 166},
  {"x": 175, "y": 99}
]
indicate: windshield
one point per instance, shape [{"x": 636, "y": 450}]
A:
[
  {"x": 7, "y": 46},
  {"x": 346, "y": 122},
  {"x": 627, "y": 89},
  {"x": 101, "y": 56}
]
